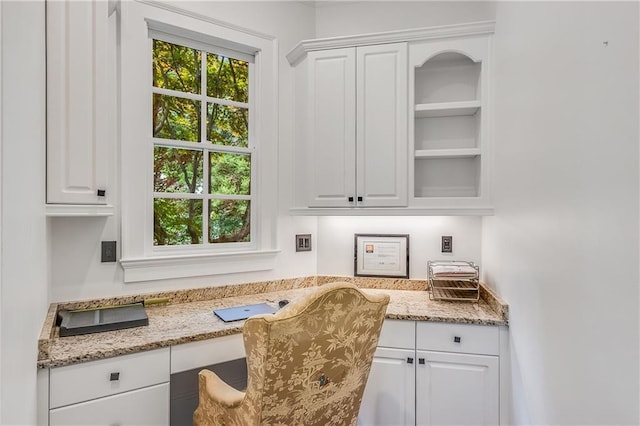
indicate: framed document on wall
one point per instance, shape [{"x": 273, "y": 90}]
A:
[{"x": 381, "y": 255}]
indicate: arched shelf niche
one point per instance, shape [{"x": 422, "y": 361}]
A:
[{"x": 447, "y": 96}]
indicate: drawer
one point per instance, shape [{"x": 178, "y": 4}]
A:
[
  {"x": 206, "y": 352},
  {"x": 147, "y": 406},
  {"x": 95, "y": 379},
  {"x": 461, "y": 338},
  {"x": 398, "y": 334}
]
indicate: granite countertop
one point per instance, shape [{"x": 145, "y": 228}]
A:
[{"x": 187, "y": 315}]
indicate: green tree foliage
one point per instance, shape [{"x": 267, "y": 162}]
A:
[{"x": 179, "y": 170}]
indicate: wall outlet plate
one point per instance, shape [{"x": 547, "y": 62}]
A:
[
  {"x": 447, "y": 244},
  {"x": 303, "y": 242},
  {"x": 108, "y": 253}
]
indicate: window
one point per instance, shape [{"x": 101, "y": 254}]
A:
[
  {"x": 202, "y": 146},
  {"x": 198, "y": 145}
]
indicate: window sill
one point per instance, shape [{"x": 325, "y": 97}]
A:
[{"x": 167, "y": 267}]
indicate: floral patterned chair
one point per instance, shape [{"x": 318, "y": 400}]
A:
[{"x": 307, "y": 364}]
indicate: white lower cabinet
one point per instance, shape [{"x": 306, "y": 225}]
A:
[
  {"x": 457, "y": 389},
  {"x": 147, "y": 406},
  {"x": 125, "y": 390},
  {"x": 431, "y": 374},
  {"x": 390, "y": 393}
]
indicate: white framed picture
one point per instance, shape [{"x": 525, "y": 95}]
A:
[{"x": 381, "y": 255}]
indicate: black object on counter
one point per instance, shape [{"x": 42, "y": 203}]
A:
[{"x": 98, "y": 320}]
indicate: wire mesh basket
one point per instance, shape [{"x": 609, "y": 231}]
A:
[{"x": 453, "y": 280}]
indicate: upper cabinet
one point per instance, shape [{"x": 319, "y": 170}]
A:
[
  {"x": 394, "y": 123},
  {"x": 353, "y": 148},
  {"x": 449, "y": 123},
  {"x": 79, "y": 86}
]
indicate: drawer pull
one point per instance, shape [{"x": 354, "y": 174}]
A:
[
  {"x": 410, "y": 360},
  {"x": 421, "y": 361},
  {"x": 113, "y": 377},
  {"x": 457, "y": 339}
]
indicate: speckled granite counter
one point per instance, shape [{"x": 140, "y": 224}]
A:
[{"x": 188, "y": 315}]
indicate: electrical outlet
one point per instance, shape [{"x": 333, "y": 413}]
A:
[
  {"x": 108, "y": 251},
  {"x": 303, "y": 242},
  {"x": 447, "y": 244}
]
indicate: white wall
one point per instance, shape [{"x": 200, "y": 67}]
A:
[
  {"x": 76, "y": 271},
  {"x": 336, "y": 240},
  {"x": 23, "y": 280},
  {"x": 361, "y": 17},
  {"x": 562, "y": 248}
]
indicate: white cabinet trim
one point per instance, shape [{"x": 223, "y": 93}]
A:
[
  {"x": 78, "y": 210},
  {"x": 396, "y": 211},
  {"x": 166, "y": 267},
  {"x": 467, "y": 29}
]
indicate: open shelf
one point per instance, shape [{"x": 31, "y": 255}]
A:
[
  {"x": 447, "y": 77},
  {"x": 447, "y": 132},
  {"x": 447, "y": 109},
  {"x": 447, "y": 176},
  {"x": 447, "y": 153},
  {"x": 447, "y": 120}
]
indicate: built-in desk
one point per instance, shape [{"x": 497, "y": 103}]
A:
[{"x": 76, "y": 373}]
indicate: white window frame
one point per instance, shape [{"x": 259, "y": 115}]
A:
[{"x": 141, "y": 260}]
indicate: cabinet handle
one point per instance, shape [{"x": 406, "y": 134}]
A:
[
  {"x": 101, "y": 192},
  {"x": 457, "y": 339},
  {"x": 114, "y": 377},
  {"x": 421, "y": 361},
  {"x": 350, "y": 199},
  {"x": 410, "y": 360},
  {"x": 359, "y": 198}
]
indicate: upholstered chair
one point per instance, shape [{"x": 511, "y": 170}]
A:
[{"x": 307, "y": 364}]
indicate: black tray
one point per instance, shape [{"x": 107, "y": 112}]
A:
[{"x": 102, "y": 319}]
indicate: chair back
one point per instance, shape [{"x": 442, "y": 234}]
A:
[{"x": 308, "y": 364}]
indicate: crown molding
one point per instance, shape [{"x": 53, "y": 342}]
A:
[{"x": 417, "y": 34}]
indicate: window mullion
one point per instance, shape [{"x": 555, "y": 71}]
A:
[{"x": 205, "y": 152}]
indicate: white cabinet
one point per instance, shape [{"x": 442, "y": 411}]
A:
[
  {"x": 381, "y": 125},
  {"x": 331, "y": 139},
  {"x": 389, "y": 398},
  {"x": 78, "y": 104},
  {"x": 422, "y": 114},
  {"x": 352, "y": 136},
  {"x": 454, "y": 369},
  {"x": 148, "y": 406},
  {"x": 457, "y": 374},
  {"x": 457, "y": 389},
  {"x": 450, "y": 116},
  {"x": 129, "y": 389}
]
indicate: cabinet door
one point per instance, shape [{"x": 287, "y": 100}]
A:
[
  {"x": 382, "y": 125},
  {"x": 390, "y": 393},
  {"x": 457, "y": 389},
  {"x": 147, "y": 406},
  {"x": 77, "y": 107},
  {"x": 331, "y": 159}
]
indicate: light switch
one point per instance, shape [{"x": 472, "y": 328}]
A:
[{"x": 303, "y": 242}]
